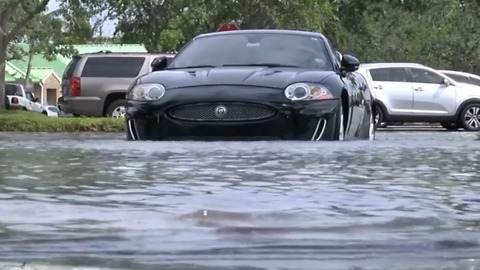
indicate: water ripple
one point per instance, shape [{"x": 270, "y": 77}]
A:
[{"x": 83, "y": 199}]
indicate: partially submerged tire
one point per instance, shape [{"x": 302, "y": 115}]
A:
[
  {"x": 379, "y": 117},
  {"x": 339, "y": 132},
  {"x": 450, "y": 126},
  {"x": 116, "y": 109},
  {"x": 371, "y": 128},
  {"x": 470, "y": 117},
  {"x": 367, "y": 130},
  {"x": 128, "y": 132}
]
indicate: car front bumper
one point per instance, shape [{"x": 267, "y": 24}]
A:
[{"x": 158, "y": 120}]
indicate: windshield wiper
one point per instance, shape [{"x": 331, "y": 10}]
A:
[
  {"x": 199, "y": 66},
  {"x": 260, "y": 65}
]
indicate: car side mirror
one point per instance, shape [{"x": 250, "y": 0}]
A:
[
  {"x": 447, "y": 82},
  {"x": 349, "y": 63},
  {"x": 35, "y": 99},
  {"x": 159, "y": 63}
]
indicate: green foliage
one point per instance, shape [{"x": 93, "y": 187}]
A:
[
  {"x": 169, "y": 24},
  {"x": 170, "y": 39},
  {"x": 24, "y": 121},
  {"x": 438, "y": 33}
]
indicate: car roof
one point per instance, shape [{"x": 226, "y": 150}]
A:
[
  {"x": 262, "y": 31},
  {"x": 113, "y": 54},
  {"x": 392, "y": 64}
]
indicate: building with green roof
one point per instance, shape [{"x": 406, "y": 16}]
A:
[{"x": 45, "y": 75}]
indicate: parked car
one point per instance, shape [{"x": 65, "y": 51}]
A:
[
  {"x": 269, "y": 84},
  {"x": 18, "y": 98},
  {"x": 95, "y": 84},
  {"x": 462, "y": 77},
  {"x": 409, "y": 92}
]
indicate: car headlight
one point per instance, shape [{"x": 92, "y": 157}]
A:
[
  {"x": 146, "y": 91},
  {"x": 306, "y": 91}
]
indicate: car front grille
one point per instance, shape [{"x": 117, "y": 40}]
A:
[{"x": 217, "y": 112}]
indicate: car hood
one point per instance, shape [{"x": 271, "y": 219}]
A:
[{"x": 251, "y": 76}]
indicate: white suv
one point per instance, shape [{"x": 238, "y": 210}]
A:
[{"x": 409, "y": 92}]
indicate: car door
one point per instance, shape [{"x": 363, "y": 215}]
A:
[
  {"x": 31, "y": 104},
  {"x": 431, "y": 97},
  {"x": 392, "y": 88}
]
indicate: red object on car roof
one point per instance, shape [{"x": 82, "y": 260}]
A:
[{"x": 228, "y": 27}]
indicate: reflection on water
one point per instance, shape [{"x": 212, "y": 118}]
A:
[{"x": 405, "y": 201}]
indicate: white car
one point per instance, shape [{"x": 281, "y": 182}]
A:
[
  {"x": 409, "y": 92},
  {"x": 18, "y": 98}
]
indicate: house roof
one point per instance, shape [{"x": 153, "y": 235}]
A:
[
  {"x": 43, "y": 73},
  {"x": 60, "y": 63},
  {"x": 38, "y": 60},
  {"x": 9, "y": 78},
  {"x": 13, "y": 73}
]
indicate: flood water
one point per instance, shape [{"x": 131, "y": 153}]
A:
[{"x": 409, "y": 200}]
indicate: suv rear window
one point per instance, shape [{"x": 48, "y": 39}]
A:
[
  {"x": 71, "y": 67},
  {"x": 113, "y": 67}
]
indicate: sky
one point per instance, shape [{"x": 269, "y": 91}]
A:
[{"x": 108, "y": 27}]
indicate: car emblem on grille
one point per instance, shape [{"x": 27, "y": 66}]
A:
[{"x": 220, "y": 111}]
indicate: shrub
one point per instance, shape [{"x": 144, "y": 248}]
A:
[{"x": 25, "y": 121}]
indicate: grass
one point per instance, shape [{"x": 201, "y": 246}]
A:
[{"x": 24, "y": 121}]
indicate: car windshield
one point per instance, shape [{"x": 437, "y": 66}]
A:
[
  {"x": 30, "y": 96},
  {"x": 255, "y": 49}
]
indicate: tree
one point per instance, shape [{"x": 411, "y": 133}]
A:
[
  {"x": 148, "y": 21},
  {"x": 38, "y": 36},
  {"x": 167, "y": 25},
  {"x": 14, "y": 17},
  {"x": 438, "y": 33}
]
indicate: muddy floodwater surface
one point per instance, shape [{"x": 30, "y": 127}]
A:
[{"x": 408, "y": 200}]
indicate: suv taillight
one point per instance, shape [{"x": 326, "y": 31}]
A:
[
  {"x": 75, "y": 87},
  {"x": 14, "y": 100}
]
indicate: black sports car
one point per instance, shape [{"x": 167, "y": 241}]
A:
[{"x": 262, "y": 84}]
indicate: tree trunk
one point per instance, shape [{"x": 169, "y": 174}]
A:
[
  {"x": 3, "y": 62},
  {"x": 29, "y": 63}
]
